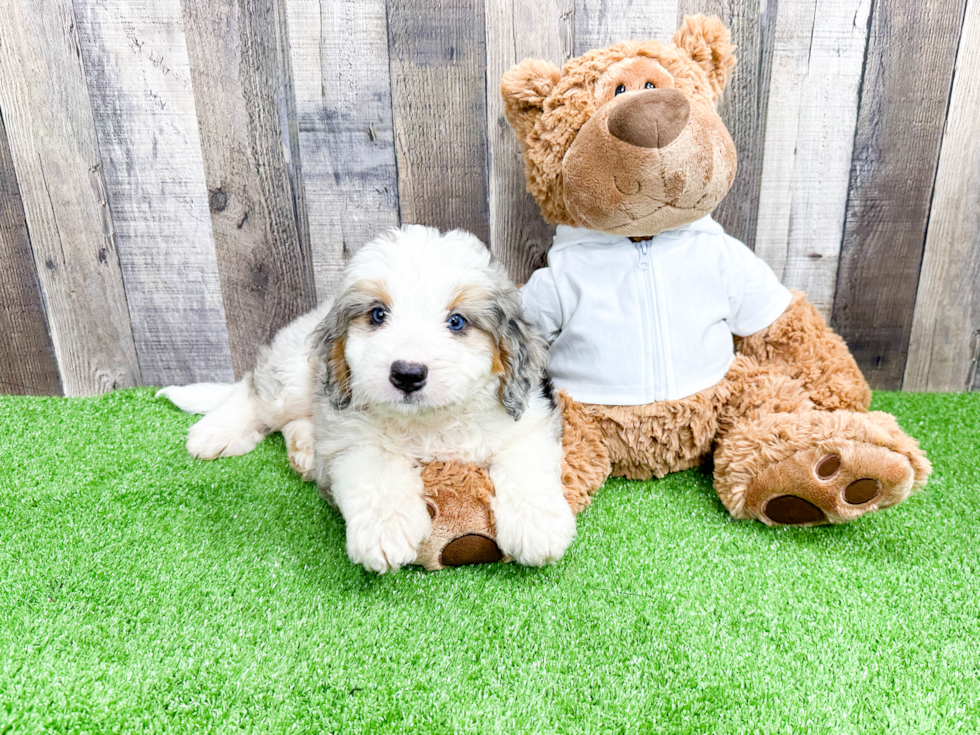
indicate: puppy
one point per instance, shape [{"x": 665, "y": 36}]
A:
[{"x": 425, "y": 355}]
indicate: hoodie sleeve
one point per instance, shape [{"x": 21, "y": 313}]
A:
[
  {"x": 541, "y": 305},
  {"x": 755, "y": 295}
]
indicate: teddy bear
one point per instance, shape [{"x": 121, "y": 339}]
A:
[
  {"x": 671, "y": 341},
  {"x": 676, "y": 339}
]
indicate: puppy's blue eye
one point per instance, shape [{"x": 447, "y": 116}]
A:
[
  {"x": 378, "y": 315},
  {"x": 649, "y": 85},
  {"x": 456, "y": 322},
  {"x": 620, "y": 89}
]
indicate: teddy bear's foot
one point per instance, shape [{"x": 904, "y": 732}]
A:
[
  {"x": 830, "y": 484},
  {"x": 817, "y": 467}
]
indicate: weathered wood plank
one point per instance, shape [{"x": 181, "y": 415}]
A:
[
  {"x": 139, "y": 80},
  {"x": 339, "y": 57},
  {"x": 944, "y": 349},
  {"x": 27, "y": 361},
  {"x": 48, "y": 120},
  {"x": 904, "y": 95},
  {"x": 266, "y": 269},
  {"x": 437, "y": 52},
  {"x": 516, "y": 30},
  {"x": 744, "y": 104},
  {"x": 600, "y": 23},
  {"x": 818, "y": 53}
]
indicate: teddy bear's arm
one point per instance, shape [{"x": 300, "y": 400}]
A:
[
  {"x": 542, "y": 305},
  {"x": 756, "y": 296}
]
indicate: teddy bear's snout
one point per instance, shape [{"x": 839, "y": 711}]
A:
[{"x": 650, "y": 119}]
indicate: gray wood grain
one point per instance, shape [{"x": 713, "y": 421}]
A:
[
  {"x": 139, "y": 79},
  {"x": 48, "y": 119},
  {"x": 744, "y": 103},
  {"x": 516, "y": 30},
  {"x": 818, "y": 54},
  {"x": 235, "y": 51},
  {"x": 27, "y": 361},
  {"x": 339, "y": 58},
  {"x": 904, "y": 96},
  {"x": 599, "y": 23},
  {"x": 437, "y": 53},
  {"x": 944, "y": 348}
]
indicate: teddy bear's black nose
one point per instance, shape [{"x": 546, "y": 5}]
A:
[
  {"x": 650, "y": 119},
  {"x": 408, "y": 376}
]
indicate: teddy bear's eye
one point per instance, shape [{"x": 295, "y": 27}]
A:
[
  {"x": 620, "y": 89},
  {"x": 649, "y": 85}
]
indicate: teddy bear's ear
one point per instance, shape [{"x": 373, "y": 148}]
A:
[
  {"x": 524, "y": 89},
  {"x": 709, "y": 43}
]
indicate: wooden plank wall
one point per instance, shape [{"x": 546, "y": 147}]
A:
[
  {"x": 239, "y": 77},
  {"x": 32, "y": 368},
  {"x": 51, "y": 132},
  {"x": 138, "y": 74},
  {"x": 178, "y": 179},
  {"x": 944, "y": 348}
]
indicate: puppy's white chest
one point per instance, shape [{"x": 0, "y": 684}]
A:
[{"x": 453, "y": 441}]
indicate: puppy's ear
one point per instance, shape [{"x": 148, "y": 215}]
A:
[
  {"x": 523, "y": 353},
  {"x": 524, "y": 88},
  {"x": 709, "y": 43},
  {"x": 329, "y": 341}
]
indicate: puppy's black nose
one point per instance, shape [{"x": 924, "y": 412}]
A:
[{"x": 408, "y": 376}]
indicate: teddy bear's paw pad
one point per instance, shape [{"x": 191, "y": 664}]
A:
[
  {"x": 473, "y": 548},
  {"x": 818, "y": 486},
  {"x": 789, "y": 510},
  {"x": 856, "y": 493},
  {"x": 861, "y": 491}
]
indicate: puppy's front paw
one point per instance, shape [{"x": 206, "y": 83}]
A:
[
  {"x": 386, "y": 543},
  {"x": 534, "y": 531}
]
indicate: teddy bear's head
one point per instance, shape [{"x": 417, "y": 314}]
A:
[{"x": 626, "y": 139}]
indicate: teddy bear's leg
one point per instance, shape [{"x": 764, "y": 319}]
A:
[
  {"x": 585, "y": 462},
  {"x": 458, "y": 499},
  {"x": 655, "y": 439},
  {"x": 800, "y": 345},
  {"x": 458, "y": 496},
  {"x": 796, "y": 444}
]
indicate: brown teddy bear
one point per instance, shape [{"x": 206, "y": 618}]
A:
[
  {"x": 672, "y": 338},
  {"x": 624, "y": 152}
]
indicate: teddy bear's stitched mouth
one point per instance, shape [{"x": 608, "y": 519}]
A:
[{"x": 632, "y": 186}]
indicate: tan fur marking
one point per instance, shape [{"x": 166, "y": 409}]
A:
[
  {"x": 466, "y": 294},
  {"x": 474, "y": 294},
  {"x": 503, "y": 357},
  {"x": 338, "y": 365},
  {"x": 376, "y": 289},
  {"x": 497, "y": 366}
]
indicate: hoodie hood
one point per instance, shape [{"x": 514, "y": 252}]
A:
[{"x": 565, "y": 236}]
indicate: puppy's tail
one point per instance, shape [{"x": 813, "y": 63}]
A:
[
  {"x": 197, "y": 398},
  {"x": 232, "y": 425}
]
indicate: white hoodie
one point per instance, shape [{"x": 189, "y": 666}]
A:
[{"x": 633, "y": 323}]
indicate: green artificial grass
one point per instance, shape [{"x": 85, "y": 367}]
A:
[{"x": 142, "y": 590}]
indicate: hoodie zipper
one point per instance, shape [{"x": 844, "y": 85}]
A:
[{"x": 654, "y": 334}]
